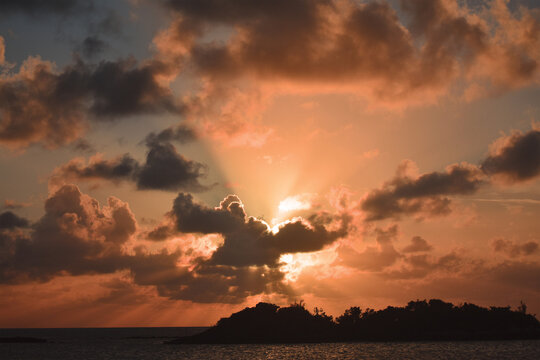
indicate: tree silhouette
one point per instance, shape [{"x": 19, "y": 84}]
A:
[{"x": 419, "y": 320}]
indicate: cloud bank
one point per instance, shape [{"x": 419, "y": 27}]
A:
[
  {"x": 514, "y": 159},
  {"x": 76, "y": 236}
]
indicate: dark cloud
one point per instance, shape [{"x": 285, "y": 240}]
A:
[
  {"x": 180, "y": 133},
  {"x": 513, "y": 249},
  {"x": 357, "y": 42},
  {"x": 84, "y": 146},
  {"x": 120, "y": 169},
  {"x": 160, "y": 233},
  {"x": 247, "y": 240},
  {"x": 448, "y": 37},
  {"x": 417, "y": 244},
  {"x": 38, "y": 7},
  {"x": 203, "y": 282},
  {"x": 191, "y": 217},
  {"x": 515, "y": 158},
  {"x": 76, "y": 236},
  {"x": 230, "y": 12},
  {"x": 9, "y": 220},
  {"x": 93, "y": 46},
  {"x": 107, "y": 22},
  {"x": 40, "y": 105},
  {"x": 37, "y": 105},
  {"x": 2, "y": 51},
  {"x": 226, "y": 284},
  {"x": 425, "y": 194},
  {"x": 366, "y": 41},
  {"x": 122, "y": 88},
  {"x": 247, "y": 262},
  {"x": 164, "y": 169}
]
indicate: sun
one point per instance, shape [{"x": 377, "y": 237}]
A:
[{"x": 294, "y": 203}]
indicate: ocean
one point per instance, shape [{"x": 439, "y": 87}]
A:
[{"x": 148, "y": 343}]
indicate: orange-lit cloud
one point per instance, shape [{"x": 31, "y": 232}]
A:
[
  {"x": 350, "y": 43},
  {"x": 39, "y": 104}
]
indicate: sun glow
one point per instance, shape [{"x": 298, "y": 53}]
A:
[
  {"x": 292, "y": 265},
  {"x": 277, "y": 225},
  {"x": 295, "y": 203}
]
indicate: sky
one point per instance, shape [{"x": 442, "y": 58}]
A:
[{"x": 166, "y": 163}]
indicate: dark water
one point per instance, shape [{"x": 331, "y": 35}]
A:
[{"x": 147, "y": 343}]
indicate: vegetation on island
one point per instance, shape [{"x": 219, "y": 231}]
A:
[{"x": 419, "y": 320}]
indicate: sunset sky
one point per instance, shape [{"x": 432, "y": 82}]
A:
[{"x": 165, "y": 163}]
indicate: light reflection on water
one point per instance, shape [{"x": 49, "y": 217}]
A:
[{"x": 120, "y": 344}]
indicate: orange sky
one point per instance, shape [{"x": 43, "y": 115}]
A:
[{"x": 167, "y": 163}]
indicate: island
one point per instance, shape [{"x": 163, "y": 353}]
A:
[{"x": 420, "y": 320}]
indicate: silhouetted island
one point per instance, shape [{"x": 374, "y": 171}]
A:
[{"x": 419, "y": 320}]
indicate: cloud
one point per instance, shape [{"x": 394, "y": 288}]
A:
[
  {"x": 180, "y": 133},
  {"x": 226, "y": 284},
  {"x": 107, "y": 23},
  {"x": 230, "y": 114},
  {"x": 115, "y": 170},
  {"x": 512, "y": 249},
  {"x": 246, "y": 262},
  {"x": 417, "y": 244},
  {"x": 38, "y": 7},
  {"x": 41, "y": 105},
  {"x": 164, "y": 169},
  {"x": 36, "y": 105},
  {"x": 384, "y": 260},
  {"x": 76, "y": 236},
  {"x": 12, "y": 204},
  {"x": 302, "y": 33},
  {"x": 2, "y": 51},
  {"x": 372, "y": 258},
  {"x": 514, "y": 158},
  {"x": 9, "y": 220},
  {"x": 425, "y": 194},
  {"x": 122, "y": 88},
  {"x": 349, "y": 43},
  {"x": 84, "y": 146},
  {"x": 422, "y": 265},
  {"x": 516, "y": 274},
  {"x": 93, "y": 46},
  {"x": 160, "y": 233},
  {"x": 191, "y": 217},
  {"x": 250, "y": 241},
  {"x": 344, "y": 46}
]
